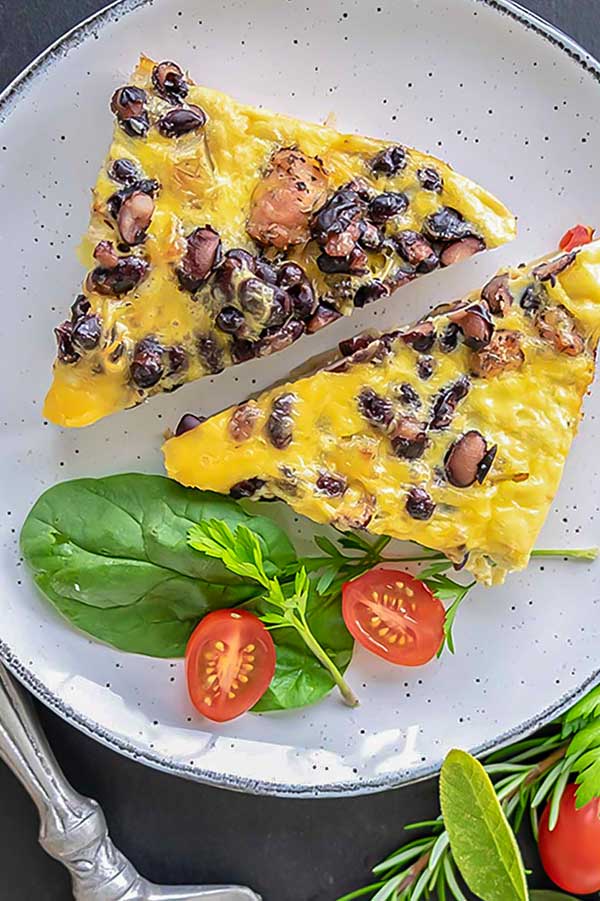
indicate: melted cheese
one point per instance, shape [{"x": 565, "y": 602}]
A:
[
  {"x": 209, "y": 176},
  {"x": 531, "y": 414}
]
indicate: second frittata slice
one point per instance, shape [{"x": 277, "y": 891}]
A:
[{"x": 452, "y": 432}]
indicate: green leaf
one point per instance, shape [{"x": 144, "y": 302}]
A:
[
  {"x": 588, "y": 780},
  {"x": 112, "y": 556},
  {"x": 326, "y": 579},
  {"x": 587, "y": 708},
  {"x": 483, "y": 845},
  {"x": 299, "y": 677},
  {"x": 549, "y": 895},
  {"x": 327, "y": 546}
]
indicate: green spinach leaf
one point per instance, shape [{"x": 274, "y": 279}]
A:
[
  {"x": 483, "y": 845},
  {"x": 111, "y": 554}
]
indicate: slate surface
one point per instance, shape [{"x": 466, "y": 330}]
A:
[{"x": 177, "y": 831}]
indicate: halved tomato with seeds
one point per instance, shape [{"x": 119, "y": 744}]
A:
[
  {"x": 229, "y": 664},
  {"x": 394, "y": 615}
]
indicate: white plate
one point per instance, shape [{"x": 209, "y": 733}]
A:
[{"x": 506, "y": 100}]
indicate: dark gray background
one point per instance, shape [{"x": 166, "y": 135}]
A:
[{"x": 177, "y": 831}]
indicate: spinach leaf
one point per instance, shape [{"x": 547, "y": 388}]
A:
[
  {"x": 299, "y": 677},
  {"x": 483, "y": 845},
  {"x": 111, "y": 554}
]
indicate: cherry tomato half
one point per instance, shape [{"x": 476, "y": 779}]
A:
[
  {"x": 571, "y": 852},
  {"x": 229, "y": 663},
  {"x": 576, "y": 236},
  {"x": 394, "y": 615}
]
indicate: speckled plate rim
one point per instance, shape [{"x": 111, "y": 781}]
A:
[{"x": 8, "y": 97}]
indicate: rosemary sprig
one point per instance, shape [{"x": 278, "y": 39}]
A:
[{"x": 525, "y": 775}]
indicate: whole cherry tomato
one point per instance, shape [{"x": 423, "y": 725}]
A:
[{"x": 571, "y": 852}]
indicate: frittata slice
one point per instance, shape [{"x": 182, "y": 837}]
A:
[
  {"x": 220, "y": 232},
  {"x": 452, "y": 432}
]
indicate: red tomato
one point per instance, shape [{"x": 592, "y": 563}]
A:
[
  {"x": 394, "y": 615},
  {"x": 579, "y": 234},
  {"x": 571, "y": 852},
  {"x": 229, "y": 663}
]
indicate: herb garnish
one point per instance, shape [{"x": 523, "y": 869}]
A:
[
  {"x": 285, "y": 603},
  {"x": 525, "y": 776}
]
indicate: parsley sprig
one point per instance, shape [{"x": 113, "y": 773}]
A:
[
  {"x": 284, "y": 601},
  {"x": 526, "y": 776}
]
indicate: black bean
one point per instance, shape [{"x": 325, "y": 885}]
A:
[
  {"x": 128, "y": 102},
  {"x": 230, "y": 320},
  {"x": 265, "y": 271},
  {"x": 431, "y": 180},
  {"x": 353, "y": 264},
  {"x": 407, "y": 394},
  {"x": 476, "y": 325},
  {"x": 350, "y": 346},
  {"x": 461, "y": 463},
  {"x": 241, "y": 258},
  {"x": 147, "y": 363},
  {"x": 335, "y": 217},
  {"x": 225, "y": 276},
  {"x": 280, "y": 422},
  {"x": 188, "y": 422},
  {"x": 290, "y": 273},
  {"x": 80, "y": 307},
  {"x": 369, "y": 236},
  {"x": 210, "y": 352},
  {"x": 243, "y": 350},
  {"x": 276, "y": 339},
  {"x": 532, "y": 298},
  {"x": 304, "y": 301},
  {"x": 377, "y": 409},
  {"x": 369, "y": 292},
  {"x": 136, "y": 127},
  {"x": 323, "y": 315},
  {"x": 419, "y": 504},
  {"x": 141, "y": 185},
  {"x": 178, "y": 359},
  {"x": 497, "y": 295},
  {"x": 246, "y": 488},
  {"x": 416, "y": 250},
  {"x": 119, "y": 279},
  {"x": 331, "y": 485},
  {"x": 425, "y": 367},
  {"x": 421, "y": 337},
  {"x": 180, "y": 121},
  {"x": 449, "y": 338},
  {"x": 243, "y": 421},
  {"x": 87, "y": 331},
  {"x": 169, "y": 81},
  {"x": 389, "y": 161},
  {"x": 203, "y": 253},
  {"x": 447, "y": 224},
  {"x": 124, "y": 171},
  {"x": 446, "y": 402},
  {"x": 386, "y": 205},
  {"x": 64, "y": 342},
  {"x": 281, "y": 307}
]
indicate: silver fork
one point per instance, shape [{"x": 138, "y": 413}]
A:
[{"x": 73, "y": 828}]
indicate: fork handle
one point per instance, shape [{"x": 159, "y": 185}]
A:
[{"x": 73, "y": 828}]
